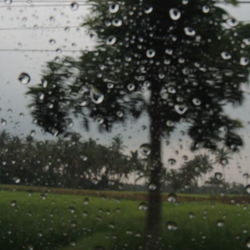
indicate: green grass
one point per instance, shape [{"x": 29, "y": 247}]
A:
[{"x": 64, "y": 222}]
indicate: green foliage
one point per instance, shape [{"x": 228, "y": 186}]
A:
[
  {"x": 61, "y": 220},
  {"x": 68, "y": 162}
]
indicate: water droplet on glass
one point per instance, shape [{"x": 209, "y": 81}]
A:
[
  {"x": 74, "y": 6},
  {"x": 85, "y": 201},
  {"x": 3, "y": 122},
  {"x": 8, "y": 1},
  {"x": 131, "y": 87},
  {"x": 218, "y": 175},
  {"x": 117, "y": 22},
  {"x": 52, "y": 41},
  {"x": 152, "y": 187},
  {"x": 225, "y": 55},
  {"x": 180, "y": 109},
  {"x": 244, "y": 61},
  {"x": 196, "y": 101},
  {"x": 171, "y": 226},
  {"x": 145, "y": 149},
  {"x": 189, "y": 31},
  {"x": 143, "y": 206},
  {"x": 247, "y": 188},
  {"x": 172, "y": 198},
  {"x": 96, "y": 96},
  {"x": 111, "y": 40},
  {"x": 220, "y": 223},
  {"x": 13, "y": 203},
  {"x": 148, "y": 10},
  {"x": 248, "y": 242},
  {"x": 24, "y": 78},
  {"x": 171, "y": 161},
  {"x": 174, "y": 14},
  {"x": 113, "y": 8},
  {"x": 205, "y": 9},
  {"x": 150, "y": 53}
]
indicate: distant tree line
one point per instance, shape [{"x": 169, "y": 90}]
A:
[
  {"x": 71, "y": 162},
  {"x": 63, "y": 162}
]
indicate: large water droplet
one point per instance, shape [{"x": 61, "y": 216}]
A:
[
  {"x": 180, "y": 109},
  {"x": 189, "y": 31},
  {"x": 111, "y": 40},
  {"x": 143, "y": 206},
  {"x": 113, "y": 8},
  {"x": 74, "y": 6},
  {"x": 96, "y": 96},
  {"x": 172, "y": 198},
  {"x": 148, "y": 10},
  {"x": 220, "y": 223},
  {"x": 174, "y": 14},
  {"x": 117, "y": 22},
  {"x": 248, "y": 242},
  {"x": 218, "y": 175},
  {"x": 150, "y": 53},
  {"x": 171, "y": 226},
  {"x": 244, "y": 61},
  {"x": 205, "y": 9},
  {"x": 225, "y": 55},
  {"x": 145, "y": 149},
  {"x": 24, "y": 78},
  {"x": 247, "y": 188}
]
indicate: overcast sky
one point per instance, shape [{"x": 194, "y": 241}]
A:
[{"x": 14, "y": 103}]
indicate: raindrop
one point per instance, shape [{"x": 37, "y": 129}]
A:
[
  {"x": 3, "y": 122},
  {"x": 148, "y": 10},
  {"x": 248, "y": 242},
  {"x": 218, "y": 175},
  {"x": 225, "y": 55},
  {"x": 96, "y": 96},
  {"x": 152, "y": 187},
  {"x": 246, "y": 41},
  {"x": 180, "y": 109},
  {"x": 85, "y": 201},
  {"x": 205, "y": 9},
  {"x": 143, "y": 206},
  {"x": 172, "y": 198},
  {"x": 170, "y": 123},
  {"x": 117, "y": 22},
  {"x": 220, "y": 223},
  {"x": 189, "y": 31},
  {"x": 191, "y": 215},
  {"x": 8, "y": 1},
  {"x": 196, "y": 101},
  {"x": 247, "y": 188},
  {"x": 24, "y": 78},
  {"x": 174, "y": 14},
  {"x": 52, "y": 41},
  {"x": 145, "y": 149},
  {"x": 131, "y": 87},
  {"x": 74, "y": 6},
  {"x": 244, "y": 61},
  {"x": 171, "y": 161},
  {"x": 111, "y": 40},
  {"x": 113, "y": 8},
  {"x": 13, "y": 203},
  {"x": 150, "y": 53},
  {"x": 171, "y": 226}
]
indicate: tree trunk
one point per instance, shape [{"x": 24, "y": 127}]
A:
[{"x": 154, "y": 212}]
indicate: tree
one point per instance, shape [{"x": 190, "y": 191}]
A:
[
  {"x": 189, "y": 172},
  {"x": 177, "y": 61}
]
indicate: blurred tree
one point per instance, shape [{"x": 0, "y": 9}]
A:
[{"x": 177, "y": 61}]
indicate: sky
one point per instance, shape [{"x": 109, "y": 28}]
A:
[{"x": 21, "y": 28}]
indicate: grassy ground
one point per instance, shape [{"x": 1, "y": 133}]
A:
[{"x": 42, "y": 221}]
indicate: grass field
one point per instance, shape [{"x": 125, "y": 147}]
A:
[{"x": 42, "y": 221}]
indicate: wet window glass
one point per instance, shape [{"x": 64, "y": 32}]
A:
[{"x": 124, "y": 125}]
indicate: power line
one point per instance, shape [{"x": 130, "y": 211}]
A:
[
  {"x": 41, "y": 50},
  {"x": 41, "y": 28},
  {"x": 66, "y": 4}
]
